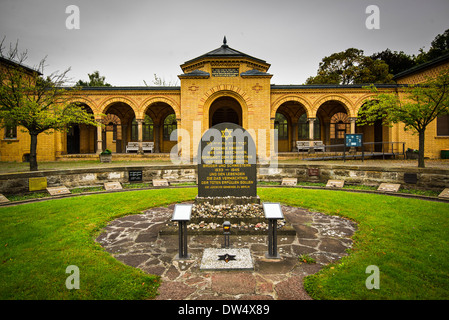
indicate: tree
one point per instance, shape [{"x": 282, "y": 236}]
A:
[
  {"x": 421, "y": 105},
  {"x": 438, "y": 47},
  {"x": 95, "y": 80},
  {"x": 158, "y": 81},
  {"x": 350, "y": 67},
  {"x": 36, "y": 103},
  {"x": 396, "y": 61}
]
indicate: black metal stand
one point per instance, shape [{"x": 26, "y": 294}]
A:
[
  {"x": 226, "y": 240},
  {"x": 182, "y": 241},
  {"x": 272, "y": 240}
]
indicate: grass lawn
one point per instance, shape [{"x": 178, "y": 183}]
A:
[
  {"x": 39, "y": 241},
  {"x": 407, "y": 239}
]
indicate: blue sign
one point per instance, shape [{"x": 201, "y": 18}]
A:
[{"x": 353, "y": 140}]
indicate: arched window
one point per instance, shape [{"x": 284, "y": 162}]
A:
[
  {"x": 147, "y": 129},
  {"x": 339, "y": 125},
  {"x": 280, "y": 123},
  {"x": 170, "y": 124},
  {"x": 303, "y": 128}
]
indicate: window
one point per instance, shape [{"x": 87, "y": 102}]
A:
[
  {"x": 280, "y": 123},
  {"x": 170, "y": 124},
  {"x": 10, "y": 132},
  {"x": 147, "y": 129},
  {"x": 443, "y": 125},
  {"x": 339, "y": 125},
  {"x": 303, "y": 128}
]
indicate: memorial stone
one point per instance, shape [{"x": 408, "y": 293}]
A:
[
  {"x": 160, "y": 183},
  {"x": 227, "y": 163},
  {"x": 289, "y": 182},
  {"x": 55, "y": 191},
  {"x": 3, "y": 199},
  {"x": 112, "y": 186},
  {"x": 444, "y": 194},
  {"x": 389, "y": 187},
  {"x": 335, "y": 183}
]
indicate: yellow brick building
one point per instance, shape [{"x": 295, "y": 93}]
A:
[
  {"x": 437, "y": 132},
  {"x": 223, "y": 85}
]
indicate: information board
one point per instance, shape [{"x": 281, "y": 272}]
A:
[{"x": 353, "y": 140}]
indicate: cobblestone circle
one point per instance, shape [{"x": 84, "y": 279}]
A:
[{"x": 135, "y": 241}]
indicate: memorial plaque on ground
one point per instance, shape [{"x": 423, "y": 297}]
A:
[
  {"x": 335, "y": 183},
  {"x": 389, "y": 187},
  {"x": 55, "y": 191},
  {"x": 3, "y": 199},
  {"x": 112, "y": 186},
  {"x": 160, "y": 183},
  {"x": 444, "y": 194},
  {"x": 289, "y": 182},
  {"x": 227, "y": 162}
]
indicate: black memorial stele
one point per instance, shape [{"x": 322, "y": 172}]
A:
[{"x": 227, "y": 170}]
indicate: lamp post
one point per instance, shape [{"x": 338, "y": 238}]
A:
[
  {"x": 181, "y": 214},
  {"x": 226, "y": 232},
  {"x": 273, "y": 213}
]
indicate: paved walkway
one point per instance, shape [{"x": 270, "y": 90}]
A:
[{"x": 135, "y": 241}]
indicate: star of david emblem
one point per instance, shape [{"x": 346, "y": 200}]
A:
[
  {"x": 226, "y": 133},
  {"x": 226, "y": 257}
]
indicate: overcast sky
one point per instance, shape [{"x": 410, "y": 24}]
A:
[{"x": 129, "y": 41}]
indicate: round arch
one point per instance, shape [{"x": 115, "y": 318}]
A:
[
  {"x": 80, "y": 138},
  {"x": 346, "y": 103},
  {"x": 146, "y": 104},
  {"x": 244, "y": 105},
  {"x": 225, "y": 109},
  {"x": 306, "y": 105},
  {"x": 110, "y": 101},
  {"x": 86, "y": 101}
]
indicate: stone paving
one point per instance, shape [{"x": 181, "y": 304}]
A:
[{"x": 135, "y": 241}]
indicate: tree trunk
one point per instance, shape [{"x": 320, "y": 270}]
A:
[
  {"x": 33, "y": 152},
  {"x": 421, "y": 135}
]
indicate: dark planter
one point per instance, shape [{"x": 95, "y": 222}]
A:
[
  {"x": 411, "y": 155},
  {"x": 105, "y": 157}
]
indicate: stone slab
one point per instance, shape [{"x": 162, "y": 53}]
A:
[
  {"x": 160, "y": 183},
  {"x": 243, "y": 259},
  {"x": 3, "y": 199},
  {"x": 289, "y": 182},
  {"x": 389, "y": 187},
  {"x": 55, "y": 191},
  {"x": 36, "y": 184},
  {"x": 314, "y": 172},
  {"x": 112, "y": 186},
  {"x": 444, "y": 194},
  {"x": 335, "y": 183}
]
